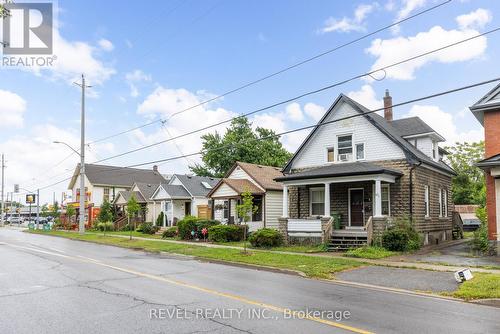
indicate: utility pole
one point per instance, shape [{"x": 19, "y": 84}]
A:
[
  {"x": 2, "y": 206},
  {"x": 37, "y": 207},
  {"x": 81, "y": 227}
]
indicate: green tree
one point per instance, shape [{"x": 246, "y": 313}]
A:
[
  {"x": 70, "y": 212},
  {"x": 105, "y": 214},
  {"x": 245, "y": 210},
  {"x": 133, "y": 209},
  {"x": 240, "y": 143},
  {"x": 55, "y": 210},
  {"x": 468, "y": 187},
  {"x": 45, "y": 210}
]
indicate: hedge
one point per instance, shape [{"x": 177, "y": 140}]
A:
[
  {"x": 266, "y": 237},
  {"x": 226, "y": 233},
  {"x": 191, "y": 223}
]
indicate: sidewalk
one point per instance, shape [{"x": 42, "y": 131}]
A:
[{"x": 386, "y": 263}]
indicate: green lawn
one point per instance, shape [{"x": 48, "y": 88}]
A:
[
  {"x": 287, "y": 248},
  {"x": 311, "y": 266},
  {"x": 482, "y": 286},
  {"x": 134, "y": 234},
  {"x": 371, "y": 252}
]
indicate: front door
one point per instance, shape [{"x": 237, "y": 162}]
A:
[
  {"x": 187, "y": 208},
  {"x": 356, "y": 207}
]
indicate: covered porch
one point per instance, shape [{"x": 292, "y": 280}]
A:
[
  {"x": 341, "y": 200},
  {"x": 175, "y": 203},
  {"x": 227, "y": 195}
]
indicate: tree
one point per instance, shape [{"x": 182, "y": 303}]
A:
[
  {"x": 105, "y": 214},
  {"x": 3, "y": 11},
  {"x": 468, "y": 187},
  {"x": 70, "y": 212},
  {"x": 45, "y": 210},
  {"x": 55, "y": 210},
  {"x": 240, "y": 143},
  {"x": 132, "y": 209},
  {"x": 245, "y": 210}
]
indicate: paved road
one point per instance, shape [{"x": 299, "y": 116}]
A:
[{"x": 55, "y": 285}]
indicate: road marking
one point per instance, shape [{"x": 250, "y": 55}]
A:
[{"x": 200, "y": 288}]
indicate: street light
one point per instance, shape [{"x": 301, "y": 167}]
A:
[{"x": 81, "y": 225}]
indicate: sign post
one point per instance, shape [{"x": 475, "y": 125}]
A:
[{"x": 30, "y": 198}]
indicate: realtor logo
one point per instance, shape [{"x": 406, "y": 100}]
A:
[{"x": 27, "y": 29}]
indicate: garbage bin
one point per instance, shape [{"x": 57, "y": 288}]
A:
[{"x": 337, "y": 218}]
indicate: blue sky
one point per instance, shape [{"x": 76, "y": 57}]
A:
[{"x": 153, "y": 58}]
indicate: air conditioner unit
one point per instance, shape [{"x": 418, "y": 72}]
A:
[{"x": 343, "y": 157}]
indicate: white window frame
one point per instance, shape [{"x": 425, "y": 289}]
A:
[
  {"x": 352, "y": 147},
  {"x": 326, "y": 154},
  {"x": 356, "y": 151},
  {"x": 440, "y": 202},
  {"x": 388, "y": 186},
  {"x": 443, "y": 203},
  {"x": 311, "y": 190},
  {"x": 426, "y": 201}
]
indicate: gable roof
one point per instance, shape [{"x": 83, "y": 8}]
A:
[
  {"x": 194, "y": 184},
  {"x": 489, "y": 102},
  {"x": 128, "y": 194},
  {"x": 242, "y": 185},
  {"x": 343, "y": 169},
  {"x": 263, "y": 175},
  {"x": 412, "y": 153},
  {"x": 147, "y": 189},
  {"x": 412, "y": 126},
  {"x": 116, "y": 176}
]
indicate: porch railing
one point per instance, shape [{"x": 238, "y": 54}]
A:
[
  {"x": 368, "y": 227},
  {"x": 327, "y": 228},
  {"x": 304, "y": 225}
]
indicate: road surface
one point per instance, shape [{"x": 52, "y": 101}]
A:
[{"x": 56, "y": 285}]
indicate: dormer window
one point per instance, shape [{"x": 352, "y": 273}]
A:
[{"x": 344, "y": 148}]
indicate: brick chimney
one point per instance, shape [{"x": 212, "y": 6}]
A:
[
  {"x": 387, "y": 106},
  {"x": 155, "y": 168}
]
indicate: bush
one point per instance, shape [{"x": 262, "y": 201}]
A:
[
  {"x": 266, "y": 237},
  {"x": 480, "y": 237},
  {"x": 171, "y": 232},
  {"x": 402, "y": 236},
  {"x": 159, "y": 219},
  {"x": 127, "y": 227},
  {"x": 369, "y": 252},
  {"x": 147, "y": 228},
  {"x": 108, "y": 226},
  {"x": 191, "y": 223},
  {"x": 226, "y": 233}
]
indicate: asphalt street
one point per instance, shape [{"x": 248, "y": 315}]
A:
[{"x": 56, "y": 285}]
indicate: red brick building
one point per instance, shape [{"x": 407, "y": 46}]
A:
[{"x": 487, "y": 111}]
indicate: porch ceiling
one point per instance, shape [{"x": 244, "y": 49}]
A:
[{"x": 344, "y": 172}]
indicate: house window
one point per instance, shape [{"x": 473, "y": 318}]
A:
[
  {"x": 317, "y": 201},
  {"x": 434, "y": 150},
  {"x": 426, "y": 201},
  {"x": 226, "y": 209},
  {"x": 106, "y": 194},
  {"x": 386, "y": 200},
  {"x": 257, "y": 215},
  {"x": 344, "y": 148},
  {"x": 443, "y": 203},
  {"x": 330, "y": 154},
  {"x": 360, "y": 151}
]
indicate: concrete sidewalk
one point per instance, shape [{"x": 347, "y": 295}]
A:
[{"x": 386, "y": 262}]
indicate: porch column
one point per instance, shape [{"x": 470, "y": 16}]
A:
[
  {"x": 164, "y": 213},
  {"x": 285, "y": 202},
  {"x": 327, "y": 199},
  {"x": 154, "y": 213},
  {"x": 172, "y": 212},
  {"x": 378, "y": 199}
]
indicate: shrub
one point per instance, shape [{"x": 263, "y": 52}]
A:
[
  {"x": 480, "y": 237},
  {"x": 266, "y": 237},
  {"x": 159, "y": 219},
  {"x": 369, "y": 252},
  {"x": 185, "y": 226},
  {"x": 127, "y": 227},
  {"x": 171, "y": 232},
  {"x": 147, "y": 228},
  {"x": 191, "y": 223},
  {"x": 108, "y": 226},
  {"x": 226, "y": 233},
  {"x": 395, "y": 239}
]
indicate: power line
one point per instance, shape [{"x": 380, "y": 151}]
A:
[
  {"x": 359, "y": 76},
  {"x": 285, "y": 69},
  {"x": 427, "y": 97}
]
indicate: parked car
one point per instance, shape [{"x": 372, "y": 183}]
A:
[
  {"x": 471, "y": 222},
  {"x": 14, "y": 220}
]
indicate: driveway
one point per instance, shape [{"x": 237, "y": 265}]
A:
[{"x": 457, "y": 255}]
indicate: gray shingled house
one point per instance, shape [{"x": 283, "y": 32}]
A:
[{"x": 366, "y": 169}]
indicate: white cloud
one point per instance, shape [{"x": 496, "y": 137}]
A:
[
  {"x": 407, "y": 8},
  {"x": 12, "y": 109},
  {"x": 106, "y": 45},
  {"x": 294, "y": 112},
  {"x": 443, "y": 123},
  {"x": 314, "y": 111},
  {"x": 389, "y": 51},
  {"x": 474, "y": 20},
  {"x": 347, "y": 24},
  {"x": 135, "y": 77},
  {"x": 367, "y": 97}
]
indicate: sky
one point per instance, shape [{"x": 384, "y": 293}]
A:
[{"x": 152, "y": 59}]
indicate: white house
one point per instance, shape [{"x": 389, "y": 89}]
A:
[
  {"x": 257, "y": 179},
  {"x": 183, "y": 195}
]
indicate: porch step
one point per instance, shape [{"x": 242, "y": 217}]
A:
[{"x": 343, "y": 240}]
